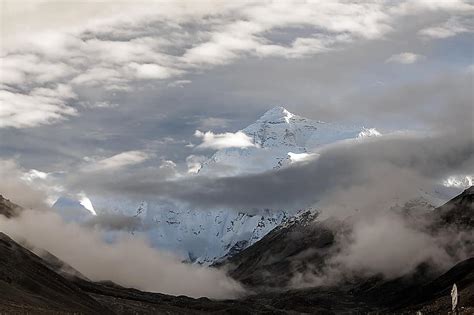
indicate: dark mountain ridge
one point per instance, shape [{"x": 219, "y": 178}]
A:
[{"x": 8, "y": 208}]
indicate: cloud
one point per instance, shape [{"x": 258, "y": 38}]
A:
[
  {"x": 404, "y": 58},
  {"x": 116, "y": 222},
  {"x": 100, "y": 47},
  {"x": 118, "y": 161},
  {"x": 17, "y": 185},
  {"x": 194, "y": 163},
  {"x": 218, "y": 141},
  {"x": 168, "y": 169},
  {"x": 128, "y": 261},
  {"x": 179, "y": 83},
  {"x": 383, "y": 227},
  {"x": 213, "y": 122},
  {"x": 152, "y": 71},
  {"x": 383, "y": 242},
  {"x": 39, "y": 107},
  {"x": 100, "y": 76},
  {"x": 343, "y": 165},
  {"x": 33, "y": 174},
  {"x": 420, "y": 160},
  {"x": 440, "y": 103},
  {"x": 456, "y": 6},
  {"x": 450, "y": 28},
  {"x": 302, "y": 46},
  {"x": 168, "y": 164},
  {"x": 135, "y": 263},
  {"x": 387, "y": 244},
  {"x": 361, "y": 182},
  {"x": 22, "y": 69}
]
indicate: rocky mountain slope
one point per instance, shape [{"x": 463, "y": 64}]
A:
[
  {"x": 8, "y": 208},
  {"x": 305, "y": 245},
  {"x": 27, "y": 284}
]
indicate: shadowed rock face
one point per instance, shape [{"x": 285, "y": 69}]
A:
[
  {"x": 27, "y": 284},
  {"x": 294, "y": 247},
  {"x": 458, "y": 212},
  {"x": 8, "y": 208}
]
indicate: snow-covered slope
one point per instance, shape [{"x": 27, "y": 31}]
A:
[
  {"x": 196, "y": 235},
  {"x": 204, "y": 236},
  {"x": 73, "y": 210}
]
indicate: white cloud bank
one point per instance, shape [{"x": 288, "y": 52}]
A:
[
  {"x": 450, "y": 28},
  {"x": 118, "y": 161},
  {"x": 218, "y": 141},
  {"x": 39, "y": 106},
  {"x": 130, "y": 261}
]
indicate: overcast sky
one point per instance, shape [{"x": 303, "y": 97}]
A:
[{"x": 120, "y": 84}]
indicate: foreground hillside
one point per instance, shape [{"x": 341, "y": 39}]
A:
[
  {"x": 27, "y": 284},
  {"x": 30, "y": 284}
]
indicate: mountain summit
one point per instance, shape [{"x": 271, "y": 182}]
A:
[
  {"x": 281, "y": 138},
  {"x": 277, "y": 114}
]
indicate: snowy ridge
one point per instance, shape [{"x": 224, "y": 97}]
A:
[{"x": 198, "y": 236}]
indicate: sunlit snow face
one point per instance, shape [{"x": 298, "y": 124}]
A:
[
  {"x": 460, "y": 181},
  {"x": 287, "y": 116},
  {"x": 298, "y": 157},
  {"x": 86, "y": 203}
]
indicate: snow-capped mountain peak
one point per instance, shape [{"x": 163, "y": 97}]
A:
[
  {"x": 369, "y": 132},
  {"x": 280, "y": 138},
  {"x": 277, "y": 114},
  {"x": 203, "y": 236}
]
